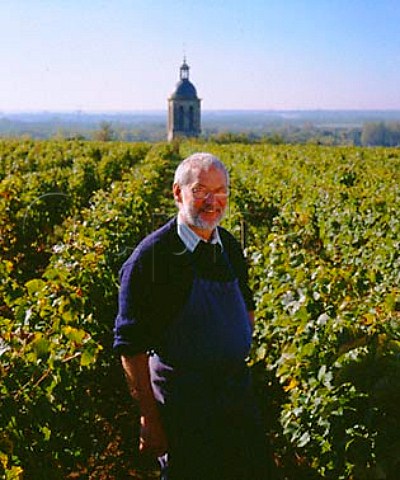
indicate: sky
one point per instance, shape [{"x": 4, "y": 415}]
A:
[{"x": 125, "y": 55}]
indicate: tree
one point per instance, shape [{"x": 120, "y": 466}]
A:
[
  {"x": 381, "y": 134},
  {"x": 106, "y": 133}
]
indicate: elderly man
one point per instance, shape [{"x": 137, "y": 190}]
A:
[{"x": 184, "y": 331}]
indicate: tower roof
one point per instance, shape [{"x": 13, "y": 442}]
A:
[{"x": 184, "y": 88}]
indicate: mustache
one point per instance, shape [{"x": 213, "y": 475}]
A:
[{"x": 210, "y": 209}]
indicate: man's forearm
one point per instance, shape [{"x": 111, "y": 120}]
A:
[
  {"x": 152, "y": 436},
  {"x": 251, "y": 319},
  {"x": 137, "y": 375}
]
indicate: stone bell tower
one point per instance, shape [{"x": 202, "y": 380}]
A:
[{"x": 184, "y": 108}]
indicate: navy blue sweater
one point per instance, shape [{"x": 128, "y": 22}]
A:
[{"x": 157, "y": 278}]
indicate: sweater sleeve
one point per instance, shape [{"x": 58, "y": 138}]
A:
[
  {"x": 240, "y": 267},
  {"x": 132, "y": 333},
  {"x": 244, "y": 282}
]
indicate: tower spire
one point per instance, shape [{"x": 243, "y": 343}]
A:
[{"x": 184, "y": 71}]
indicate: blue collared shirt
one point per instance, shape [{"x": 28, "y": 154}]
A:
[{"x": 191, "y": 239}]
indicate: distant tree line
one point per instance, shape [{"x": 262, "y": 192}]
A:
[
  {"x": 290, "y": 134},
  {"x": 386, "y": 134},
  {"x": 378, "y": 133}
]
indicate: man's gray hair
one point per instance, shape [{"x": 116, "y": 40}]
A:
[{"x": 197, "y": 162}]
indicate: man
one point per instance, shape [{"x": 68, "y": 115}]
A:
[{"x": 184, "y": 331}]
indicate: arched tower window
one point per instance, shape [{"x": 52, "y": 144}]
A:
[
  {"x": 191, "y": 118},
  {"x": 181, "y": 118}
]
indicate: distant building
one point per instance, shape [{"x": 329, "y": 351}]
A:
[{"x": 184, "y": 108}]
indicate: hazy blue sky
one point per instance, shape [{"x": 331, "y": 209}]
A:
[{"x": 98, "y": 55}]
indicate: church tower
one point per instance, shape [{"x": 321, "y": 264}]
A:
[{"x": 184, "y": 108}]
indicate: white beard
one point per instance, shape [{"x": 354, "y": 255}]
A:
[{"x": 193, "y": 218}]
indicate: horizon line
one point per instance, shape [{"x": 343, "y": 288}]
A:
[{"x": 214, "y": 110}]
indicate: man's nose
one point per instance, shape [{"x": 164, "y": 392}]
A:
[{"x": 210, "y": 198}]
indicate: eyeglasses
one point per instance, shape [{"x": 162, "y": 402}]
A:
[{"x": 200, "y": 193}]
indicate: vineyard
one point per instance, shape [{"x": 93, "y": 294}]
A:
[{"x": 321, "y": 232}]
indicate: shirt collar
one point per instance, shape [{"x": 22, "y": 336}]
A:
[{"x": 191, "y": 239}]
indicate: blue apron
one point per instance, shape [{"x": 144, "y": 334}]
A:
[{"x": 202, "y": 383}]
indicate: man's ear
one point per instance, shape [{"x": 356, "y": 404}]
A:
[{"x": 177, "y": 191}]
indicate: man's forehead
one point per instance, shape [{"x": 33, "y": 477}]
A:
[{"x": 203, "y": 174}]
